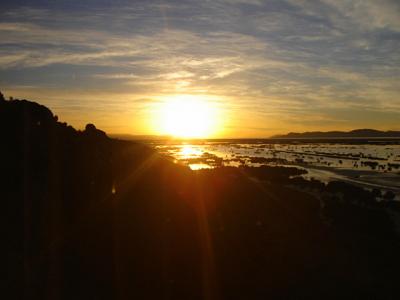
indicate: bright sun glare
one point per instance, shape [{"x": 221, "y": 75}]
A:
[{"x": 188, "y": 116}]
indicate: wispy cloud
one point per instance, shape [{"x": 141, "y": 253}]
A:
[{"x": 279, "y": 60}]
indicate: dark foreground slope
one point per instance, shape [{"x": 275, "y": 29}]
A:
[{"x": 87, "y": 217}]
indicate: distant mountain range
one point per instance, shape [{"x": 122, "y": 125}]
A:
[{"x": 357, "y": 133}]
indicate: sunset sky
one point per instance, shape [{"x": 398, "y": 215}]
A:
[{"x": 266, "y": 67}]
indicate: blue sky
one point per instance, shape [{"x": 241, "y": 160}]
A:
[{"x": 271, "y": 66}]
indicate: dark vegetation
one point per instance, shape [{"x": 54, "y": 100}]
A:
[{"x": 88, "y": 217}]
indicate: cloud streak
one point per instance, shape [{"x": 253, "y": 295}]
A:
[{"x": 279, "y": 60}]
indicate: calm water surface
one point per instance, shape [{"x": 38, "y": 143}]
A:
[{"x": 370, "y": 165}]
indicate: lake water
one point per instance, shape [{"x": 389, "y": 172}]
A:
[{"x": 370, "y": 163}]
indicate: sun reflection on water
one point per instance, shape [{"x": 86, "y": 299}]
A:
[
  {"x": 188, "y": 151},
  {"x": 195, "y": 167}
]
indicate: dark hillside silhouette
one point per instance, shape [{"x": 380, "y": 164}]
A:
[{"x": 88, "y": 217}]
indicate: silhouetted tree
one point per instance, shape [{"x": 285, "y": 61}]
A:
[{"x": 90, "y": 128}]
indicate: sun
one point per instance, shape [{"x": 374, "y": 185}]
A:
[{"x": 188, "y": 116}]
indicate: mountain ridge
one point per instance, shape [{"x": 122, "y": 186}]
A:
[{"x": 356, "y": 133}]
